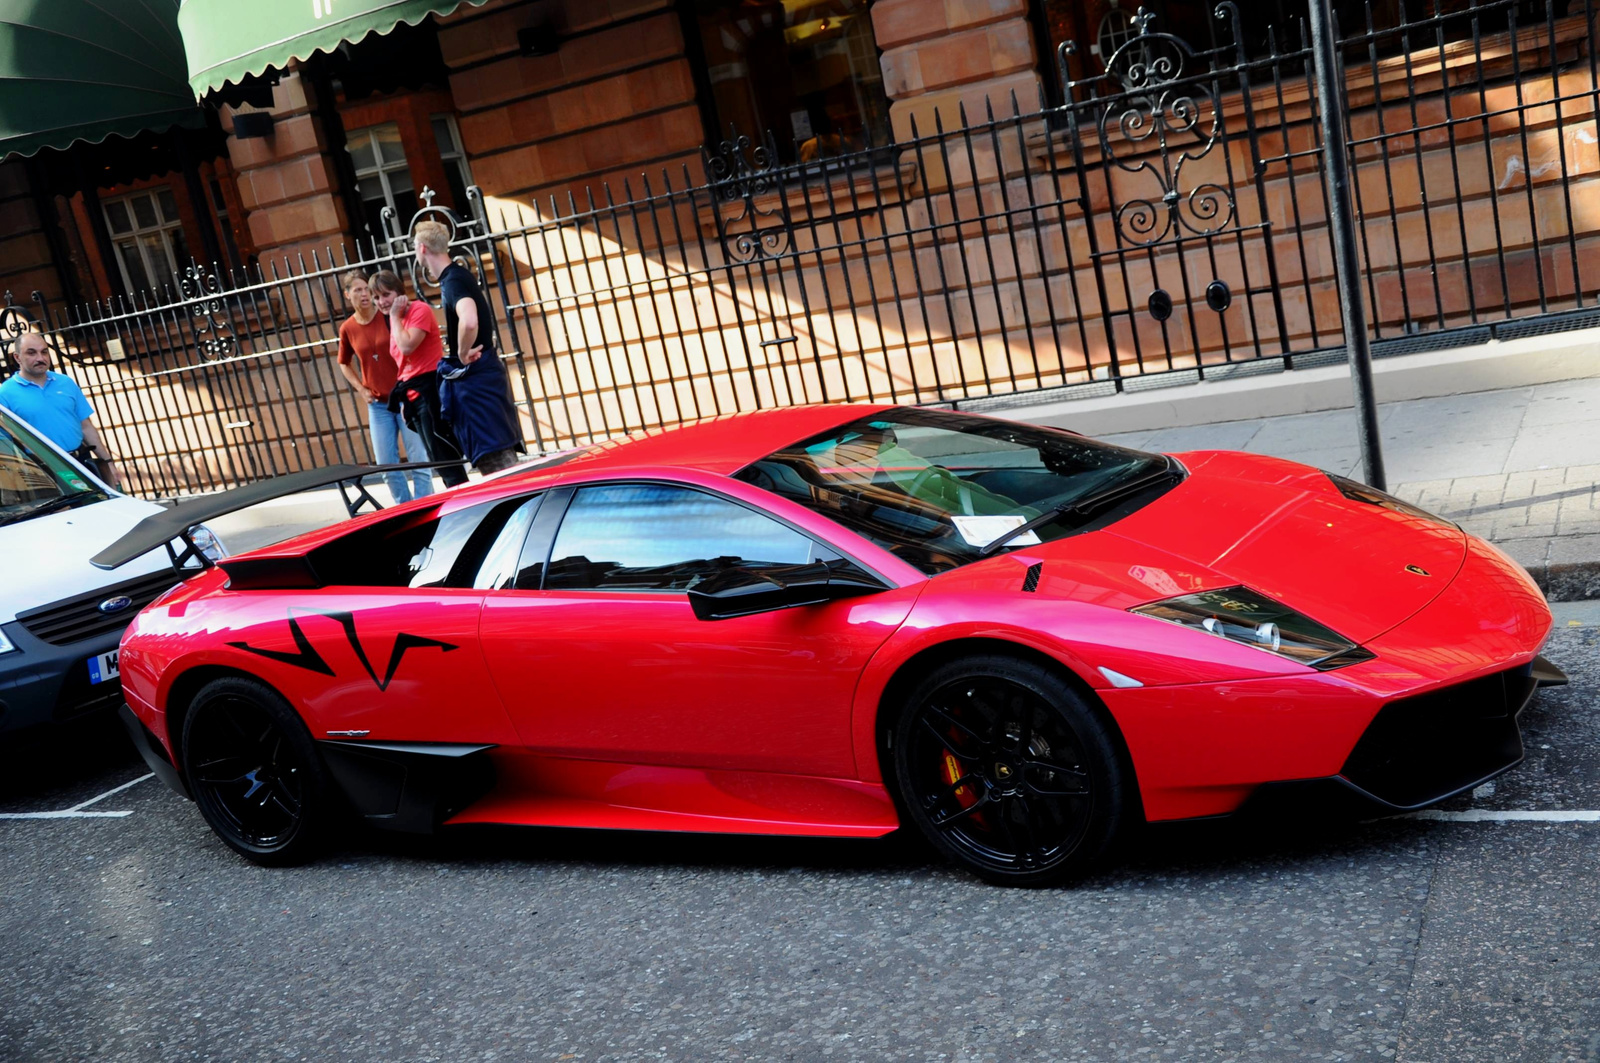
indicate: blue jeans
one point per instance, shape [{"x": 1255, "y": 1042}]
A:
[{"x": 388, "y": 430}]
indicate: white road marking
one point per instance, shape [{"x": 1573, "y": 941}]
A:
[
  {"x": 1485, "y": 815},
  {"x": 77, "y": 810},
  {"x": 65, "y": 814}
]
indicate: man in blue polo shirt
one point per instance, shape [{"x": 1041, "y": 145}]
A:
[{"x": 55, "y": 406}]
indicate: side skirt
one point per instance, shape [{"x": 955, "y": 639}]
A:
[
  {"x": 153, "y": 752},
  {"x": 547, "y": 791},
  {"x": 409, "y": 786}
]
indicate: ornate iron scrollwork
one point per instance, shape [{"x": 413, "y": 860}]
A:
[
  {"x": 213, "y": 334},
  {"x": 744, "y": 173},
  {"x": 1159, "y": 117},
  {"x": 470, "y": 229},
  {"x": 14, "y": 321}
]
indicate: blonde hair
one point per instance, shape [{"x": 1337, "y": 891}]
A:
[
  {"x": 348, "y": 278},
  {"x": 434, "y": 236},
  {"x": 385, "y": 281}
]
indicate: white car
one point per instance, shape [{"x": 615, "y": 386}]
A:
[{"x": 61, "y": 617}]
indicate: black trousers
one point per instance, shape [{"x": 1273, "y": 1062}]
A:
[
  {"x": 418, "y": 401},
  {"x": 100, "y": 468}
]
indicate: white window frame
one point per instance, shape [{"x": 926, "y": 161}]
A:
[
  {"x": 163, "y": 228},
  {"x": 456, "y": 156},
  {"x": 380, "y": 169}
]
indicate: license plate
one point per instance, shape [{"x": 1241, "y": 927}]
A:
[{"x": 103, "y": 667}]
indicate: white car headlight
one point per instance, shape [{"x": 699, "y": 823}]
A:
[
  {"x": 1240, "y": 615},
  {"x": 6, "y": 645}
]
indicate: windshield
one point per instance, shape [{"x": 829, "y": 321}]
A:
[
  {"x": 934, "y": 487},
  {"x": 35, "y": 479}
]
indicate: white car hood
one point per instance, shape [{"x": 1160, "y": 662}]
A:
[{"x": 47, "y": 557}]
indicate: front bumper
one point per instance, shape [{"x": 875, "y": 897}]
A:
[
  {"x": 1421, "y": 750},
  {"x": 1405, "y": 729},
  {"x": 43, "y": 684}
]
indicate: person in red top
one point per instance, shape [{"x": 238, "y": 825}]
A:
[
  {"x": 416, "y": 350},
  {"x": 366, "y": 363}
]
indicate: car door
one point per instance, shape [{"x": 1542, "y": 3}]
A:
[
  {"x": 597, "y": 653},
  {"x": 388, "y": 650}
]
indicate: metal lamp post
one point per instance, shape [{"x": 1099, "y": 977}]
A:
[{"x": 1341, "y": 227}]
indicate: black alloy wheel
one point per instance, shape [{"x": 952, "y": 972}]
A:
[
  {"x": 1009, "y": 771},
  {"x": 255, "y": 773}
]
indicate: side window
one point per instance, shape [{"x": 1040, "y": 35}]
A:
[
  {"x": 416, "y": 550},
  {"x": 647, "y": 537},
  {"x": 499, "y": 567}
]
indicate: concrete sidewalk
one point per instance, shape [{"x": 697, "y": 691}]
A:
[{"x": 1518, "y": 466}]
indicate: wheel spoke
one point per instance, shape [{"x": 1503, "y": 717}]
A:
[
  {"x": 1003, "y": 816},
  {"x": 238, "y": 729},
  {"x": 1073, "y": 781},
  {"x": 950, "y": 721},
  {"x": 943, "y": 822},
  {"x": 220, "y": 780},
  {"x": 215, "y": 761},
  {"x": 948, "y": 746},
  {"x": 1029, "y": 851},
  {"x": 964, "y": 780},
  {"x": 281, "y": 790}
]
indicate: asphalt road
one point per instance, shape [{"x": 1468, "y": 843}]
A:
[{"x": 140, "y": 937}]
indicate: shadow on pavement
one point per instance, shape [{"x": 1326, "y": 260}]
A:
[
  {"x": 1199, "y": 848},
  {"x": 41, "y": 761}
]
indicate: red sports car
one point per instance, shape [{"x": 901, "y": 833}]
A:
[{"x": 834, "y": 621}]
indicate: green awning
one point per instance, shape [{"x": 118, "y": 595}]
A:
[
  {"x": 74, "y": 70},
  {"x": 228, "y": 40}
]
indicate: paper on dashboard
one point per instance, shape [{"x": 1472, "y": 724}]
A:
[{"x": 981, "y": 531}]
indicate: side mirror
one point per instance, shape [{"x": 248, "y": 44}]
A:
[{"x": 740, "y": 591}]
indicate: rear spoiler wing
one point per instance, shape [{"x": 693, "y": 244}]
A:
[{"x": 172, "y": 526}]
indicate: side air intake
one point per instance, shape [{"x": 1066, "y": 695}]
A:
[{"x": 1030, "y": 582}]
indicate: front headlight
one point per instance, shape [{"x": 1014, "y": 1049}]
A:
[
  {"x": 207, "y": 541},
  {"x": 1239, "y": 614},
  {"x": 6, "y": 645}
]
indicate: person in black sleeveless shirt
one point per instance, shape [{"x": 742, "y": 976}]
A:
[{"x": 474, "y": 391}]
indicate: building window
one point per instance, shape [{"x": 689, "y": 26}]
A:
[
  {"x": 454, "y": 159},
  {"x": 805, "y": 70},
  {"x": 147, "y": 236},
  {"x": 382, "y": 177}
]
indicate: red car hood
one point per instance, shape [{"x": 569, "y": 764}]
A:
[{"x": 1285, "y": 530}]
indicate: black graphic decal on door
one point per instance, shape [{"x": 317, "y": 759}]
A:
[{"x": 307, "y": 657}]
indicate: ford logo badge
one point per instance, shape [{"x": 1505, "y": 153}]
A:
[{"x": 116, "y": 605}]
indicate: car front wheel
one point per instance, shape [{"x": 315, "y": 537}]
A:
[
  {"x": 255, "y": 773},
  {"x": 1009, "y": 771}
]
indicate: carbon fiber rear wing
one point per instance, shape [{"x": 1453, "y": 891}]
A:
[{"x": 172, "y": 526}]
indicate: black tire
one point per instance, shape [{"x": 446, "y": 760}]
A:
[
  {"x": 255, "y": 772},
  {"x": 1009, "y": 771}
]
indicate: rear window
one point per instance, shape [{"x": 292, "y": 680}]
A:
[{"x": 416, "y": 549}]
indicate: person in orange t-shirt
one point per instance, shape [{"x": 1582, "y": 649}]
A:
[
  {"x": 366, "y": 363},
  {"x": 416, "y": 349}
]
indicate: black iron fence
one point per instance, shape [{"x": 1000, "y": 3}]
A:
[{"x": 1168, "y": 221}]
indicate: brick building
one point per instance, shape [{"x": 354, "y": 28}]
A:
[
  {"x": 525, "y": 98},
  {"x": 951, "y": 203}
]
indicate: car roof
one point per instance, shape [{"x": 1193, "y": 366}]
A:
[{"x": 720, "y": 445}]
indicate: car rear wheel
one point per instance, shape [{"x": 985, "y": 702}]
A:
[
  {"x": 255, "y": 773},
  {"x": 1009, "y": 771}
]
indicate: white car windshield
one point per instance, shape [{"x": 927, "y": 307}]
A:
[{"x": 34, "y": 479}]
